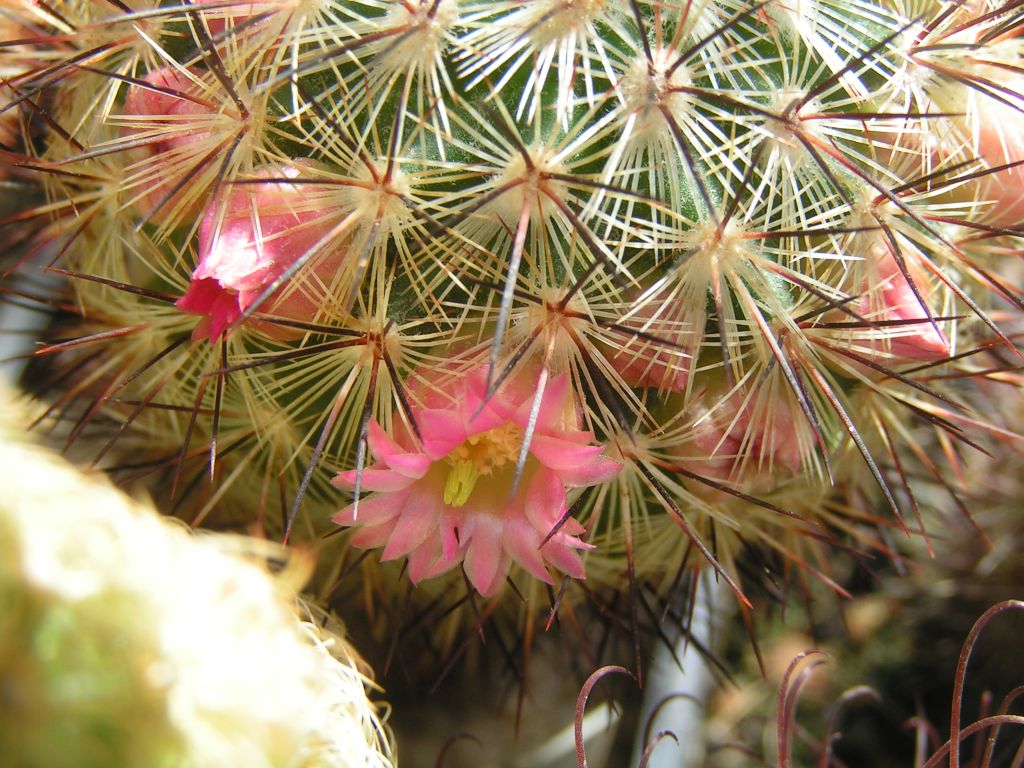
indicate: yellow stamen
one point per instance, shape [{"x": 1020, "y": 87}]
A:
[
  {"x": 479, "y": 455},
  {"x": 461, "y": 480}
]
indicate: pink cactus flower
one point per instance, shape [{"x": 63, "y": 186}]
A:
[
  {"x": 249, "y": 236},
  {"x": 452, "y": 499},
  {"x": 751, "y": 443},
  {"x": 178, "y": 121},
  {"x": 992, "y": 125},
  {"x": 889, "y": 298},
  {"x": 998, "y": 140},
  {"x": 168, "y": 103},
  {"x": 661, "y": 354}
]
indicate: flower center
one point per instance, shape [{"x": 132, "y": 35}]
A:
[{"x": 480, "y": 455}]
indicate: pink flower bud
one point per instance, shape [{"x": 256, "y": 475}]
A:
[
  {"x": 250, "y": 235},
  {"x": 21, "y": 57},
  {"x": 749, "y": 443},
  {"x": 989, "y": 95},
  {"x": 997, "y": 138},
  {"x": 171, "y": 101},
  {"x": 987, "y": 15},
  {"x": 660, "y": 353},
  {"x": 888, "y": 298},
  {"x": 174, "y": 121}
]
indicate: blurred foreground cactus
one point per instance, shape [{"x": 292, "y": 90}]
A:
[
  {"x": 126, "y": 641},
  {"x": 558, "y": 295}
]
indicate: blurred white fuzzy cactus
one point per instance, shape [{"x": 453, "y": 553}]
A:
[{"x": 125, "y": 640}]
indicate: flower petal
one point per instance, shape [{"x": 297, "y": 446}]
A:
[
  {"x": 896, "y": 299},
  {"x": 415, "y": 524},
  {"x": 522, "y": 542},
  {"x": 598, "y": 470},
  {"x": 486, "y": 563},
  {"x": 568, "y": 527},
  {"x": 372, "y": 510},
  {"x": 551, "y": 410},
  {"x": 576, "y": 464},
  {"x": 550, "y": 415},
  {"x": 544, "y": 503},
  {"x": 425, "y": 562},
  {"x": 450, "y": 539},
  {"x": 565, "y": 558},
  {"x": 386, "y": 450},
  {"x": 217, "y": 306},
  {"x": 386, "y": 480},
  {"x": 443, "y": 432},
  {"x": 372, "y": 536}
]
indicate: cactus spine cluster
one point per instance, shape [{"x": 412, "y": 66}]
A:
[{"x": 552, "y": 290}]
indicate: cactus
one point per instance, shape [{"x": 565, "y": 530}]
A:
[
  {"x": 566, "y": 295},
  {"x": 128, "y": 641}
]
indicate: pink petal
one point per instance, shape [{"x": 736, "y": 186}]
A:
[
  {"x": 218, "y": 19},
  {"x": 424, "y": 564},
  {"x": 550, "y": 415},
  {"x": 557, "y": 453},
  {"x": 643, "y": 366},
  {"x": 598, "y": 470},
  {"x": 485, "y": 563},
  {"x": 372, "y": 510},
  {"x": 222, "y": 315},
  {"x": 441, "y": 565},
  {"x": 919, "y": 339},
  {"x": 551, "y": 409},
  {"x": 372, "y": 536},
  {"x": 570, "y": 527},
  {"x": 144, "y": 101},
  {"x": 925, "y": 344},
  {"x": 495, "y": 410},
  {"x": 545, "y": 500},
  {"x": 141, "y": 102},
  {"x": 780, "y": 444},
  {"x": 443, "y": 432},
  {"x": 385, "y": 480},
  {"x": 577, "y": 465},
  {"x": 416, "y": 523},
  {"x": 200, "y": 296},
  {"x": 386, "y": 450},
  {"x": 660, "y": 356},
  {"x": 720, "y": 435},
  {"x": 1000, "y": 142},
  {"x": 235, "y": 256},
  {"x": 217, "y": 305},
  {"x": 564, "y": 557},
  {"x": 475, "y": 394},
  {"x": 449, "y": 539},
  {"x": 522, "y": 543}
]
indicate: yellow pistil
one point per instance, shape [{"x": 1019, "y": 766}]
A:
[{"x": 480, "y": 455}]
